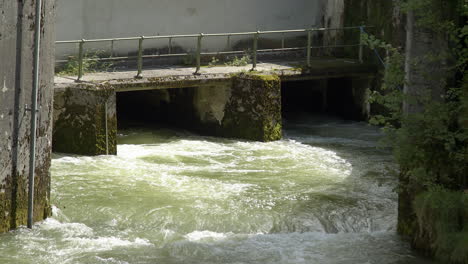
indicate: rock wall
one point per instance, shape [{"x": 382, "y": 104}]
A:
[{"x": 16, "y": 81}]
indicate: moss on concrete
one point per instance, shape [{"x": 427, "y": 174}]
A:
[
  {"x": 4, "y": 212},
  {"x": 79, "y": 122},
  {"x": 254, "y": 109}
]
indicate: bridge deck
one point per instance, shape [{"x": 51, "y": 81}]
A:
[{"x": 182, "y": 77}]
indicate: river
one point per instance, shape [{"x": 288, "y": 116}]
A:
[{"x": 323, "y": 194}]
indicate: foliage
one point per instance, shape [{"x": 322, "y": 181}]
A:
[
  {"x": 91, "y": 63},
  {"x": 236, "y": 61},
  {"x": 214, "y": 61},
  {"x": 391, "y": 94},
  {"x": 431, "y": 146},
  {"x": 442, "y": 216},
  {"x": 189, "y": 59},
  {"x": 243, "y": 61}
]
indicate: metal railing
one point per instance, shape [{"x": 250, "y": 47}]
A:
[{"x": 254, "y": 34}]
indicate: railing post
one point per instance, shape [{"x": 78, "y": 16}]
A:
[
  {"x": 228, "y": 44},
  {"x": 255, "y": 49},
  {"x": 170, "y": 45},
  {"x": 309, "y": 47},
  {"x": 80, "y": 60},
  {"x": 282, "y": 40},
  {"x": 112, "y": 48},
  {"x": 107, "y": 127},
  {"x": 140, "y": 57},
  {"x": 199, "y": 49},
  {"x": 361, "y": 44}
]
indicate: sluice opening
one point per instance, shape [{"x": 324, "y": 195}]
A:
[
  {"x": 332, "y": 97},
  {"x": 155, "y": 108}
]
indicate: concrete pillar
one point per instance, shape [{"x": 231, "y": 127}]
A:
[
  {"x": 81, "y": 116},
  {"x": 16, "y": 82},
  {"x": 249, "y": 108},
  {"x": 361, "y": 86}
]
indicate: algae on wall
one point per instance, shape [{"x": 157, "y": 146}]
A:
[{"x": 254, "y": 109}]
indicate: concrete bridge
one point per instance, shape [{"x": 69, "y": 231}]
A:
[
  {"x": 224, "y": 101},
  {"x": 244, "y": 102}
]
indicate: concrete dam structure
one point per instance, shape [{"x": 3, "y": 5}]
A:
[
  {"x": 159, "y": 148},
  {"x": 219, "y": 102}
]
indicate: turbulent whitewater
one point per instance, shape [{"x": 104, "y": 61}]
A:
[{"x": 323, "y": 194}]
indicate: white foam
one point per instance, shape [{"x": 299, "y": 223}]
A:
[{"x": 206, "y": 235}]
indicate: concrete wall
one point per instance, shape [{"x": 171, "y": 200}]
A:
[
  {"x": 88, "y": 19},
  {"x": 16, "y": 68}
]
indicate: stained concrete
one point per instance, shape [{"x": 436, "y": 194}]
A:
[
  {"x": 88, "y": 19},
  {"x": 182, "y": 76},
  {"x": 16, "y": 75},
  {"x": 85, "y": 121},
  {"x": 223, "y": 101}
]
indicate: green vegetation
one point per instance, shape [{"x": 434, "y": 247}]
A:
[
  {"x": 431, "y": 143},
  {"x": 237, "y": 62},
  {"x": 214, "y": 62},
  {"x": 91, "y": 63},
  {"x": 189, "y": 59}
]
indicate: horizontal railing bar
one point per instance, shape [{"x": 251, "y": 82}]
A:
[
  {"x": 223, "y": 52},
  {"x": 206, "y": 35},
  {"x": 113, "y": 39},
  {"x": 67, "y": 41},
  {"x": 210, "y": 53},
  {"x": 335, "y": 46},
  {"x": 229, "y": 34},
  {"x": 172, "y": 36},
  {"x": 255, "y": 35}
]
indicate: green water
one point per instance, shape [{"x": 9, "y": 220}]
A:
[{"x": 324, "y": 194}]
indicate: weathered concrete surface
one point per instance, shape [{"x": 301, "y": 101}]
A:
[
  {"x": 245, "y": 106},
  {"x": 254, "y": 108},
  {"x": 82, "y": 116},
  {"x": 221, "y": 101},
  {"x": 16, "y": 74},
  {"x": 123, "y": 18},
  {"x": 361, "y": 88},
  {"x": 180, "y": 77}
]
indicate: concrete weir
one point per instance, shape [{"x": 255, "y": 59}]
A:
[{"x": 219, "y": 102}]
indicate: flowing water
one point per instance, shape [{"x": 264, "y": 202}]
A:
[{"x": 323, "y": 194}]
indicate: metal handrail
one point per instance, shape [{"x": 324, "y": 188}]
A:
[{"x": 255, "y": 35}]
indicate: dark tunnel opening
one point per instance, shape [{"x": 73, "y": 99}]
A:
[
  {"x": 332, "y": 97},
  {"x": 154, "y": 108},
  {"x": 175, "y": 107}
]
